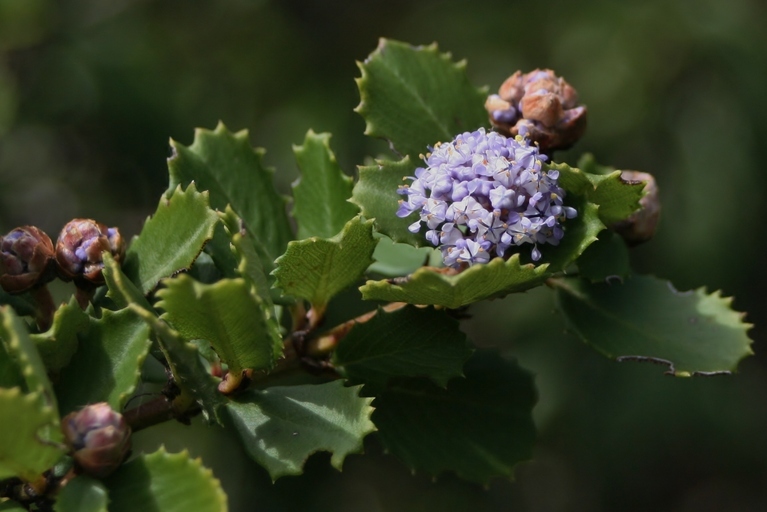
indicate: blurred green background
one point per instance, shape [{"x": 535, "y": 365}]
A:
[{"x": 90, "y": 91}]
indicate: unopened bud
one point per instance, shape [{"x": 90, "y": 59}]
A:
[
  {"x": 540, "y": 106},
  {"x": 641, "y": 225},
  {"x": 80, "y": 246},
  {"x": 98, "y": 437},
  {"x": 26, "y": 259}
]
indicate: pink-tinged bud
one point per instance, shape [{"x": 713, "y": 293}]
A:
[
  {"x": 98, "y": 437},
  {"x": 539, "y": 105},
  {"x": 26, "y": 259},
  {"x": 641, "y": 225},
  {"x": 79, "y": 249}
]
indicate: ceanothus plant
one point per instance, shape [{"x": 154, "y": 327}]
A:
[{"x": 238, "y": 309}]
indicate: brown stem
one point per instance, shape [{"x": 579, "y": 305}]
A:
[
  {"x": 159, "y": 410},
  {"x": 44, "y": 306},
  {"x": 83, "y": 295},
  {"x": 327, "y": 342}
]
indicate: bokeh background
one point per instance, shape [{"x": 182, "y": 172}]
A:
[{"x": 90, "y": 92}]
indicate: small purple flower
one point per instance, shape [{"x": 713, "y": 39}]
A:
[
  {"x": 98, "y": 437},
  {"x": 80, "y": 246},
  {"x": 483, "y": 193}
]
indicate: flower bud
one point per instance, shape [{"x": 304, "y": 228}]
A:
[
  {"x": 641, "y": 225},
  {"x": 26, "y": 259},
  {"x": 539, "y": 105},
  {"x": 98, "y": 437},
  {"x": 79, "y": 249}
]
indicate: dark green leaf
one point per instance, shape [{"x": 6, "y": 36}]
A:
[
  {"x": 607, "y": 258},
  {"x": 409, "y": 342},
  {"x": 392, "y": 259},
  {"x": 376, "y": 195},
  {"x": 317, "y": 269},
  {"x": 59, "y": 343},
  {"x": 165, "y": 482},
  {"x": 479, "y": 427},
  {"x": 29, "y": 435},
  {"x": 82, "y": 494},
  {"x": 282, "y": 426},
  {"x": 415, "y": 97},
  {"x": 11, "y": 506},
  {"x": 228, "y": 315},
  {"x": 646, "y": 319},
  {"x": 172, "y": 239},
  {"x": 321, "y": 194},
  {"x": 227, "y": 166},
  {"x": 188, "y": 370},
  {"x": 588, "y": 164},
  {"x": 110, "y": 356}
]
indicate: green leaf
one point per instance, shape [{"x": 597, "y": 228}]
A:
[
  {"x": 21, "y": 350},
  {"x": 122, "y": 291},
  {"x": 282, "y": 426},
  {"x": 110, "y": 355},
  {"x": 606, "y": 259},
  {"x": 392, "y": 259},
  {"x": 29, "y": 435},
  {"x": 376, "y": 195},
  {"x": 409, "y": 342},
  {"x": 415, "y": 97},
  {"x": 227, "y": 166},
  {"x": 479, "y": 427},
  {"x": 59, "y": 343},
  {"x": 23, "y": 304},
  {"x": 646, "y": 319},
  {"x": 172, "y": 239},
  {"x": 82, "y": 494},
  {"x": 321, "y": 194},
  {"x": 317, "y": 269},
  {"x": 225, "y": 314},
  {"x": 165, "y": 482},
  {"x": 428, "y": 285},
  {"x": 186, "y": 366},
  {"x": 588, "y": 164},
  {"x": 11, "y": 506}
]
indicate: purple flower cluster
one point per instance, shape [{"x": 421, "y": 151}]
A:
[{"x": 483, "y": 193}]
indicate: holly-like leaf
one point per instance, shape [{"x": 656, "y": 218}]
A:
[
  {"x": 82, "y": 494},
  {"x": 321, "y": 194},
  {"x": 480, "y": 427},
  {"x": 29, "y": 435},
  {"x": 121, "y": 290},
  {"x": 646, "y": 319},
  {"x": 110, "y": 355},
  {"x": 225, "y": 164},
  {"x": 608, "y": 258},
  {"x": 376, "y": 195},
  {"x": 282, "y": 426},
  {"x": 415, "y": 97},
  {"x": 19, "y": 348},
  {"x": 392, "y": 259},
  {"x": 165, "y": 482},
  {"x": 409, "y": 342},
  {"x": 186, "y": 366},
  {"x": 171, "y": 239},
  {"x": 57, "y": 345},
  {"x": 588, "y": 164},
  {"x": 225, "y": 314},
  {"x": 438, "y": 287},
  {"x": 317, "y": 269}
]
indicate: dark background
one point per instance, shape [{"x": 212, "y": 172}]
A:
[{"x": 90, "y": 91}]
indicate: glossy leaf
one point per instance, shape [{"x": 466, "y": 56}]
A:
[
  {"x": 57, "y": 345},
  {"x": 415, "y": 97},
  {"x": 376, "y": 195},
  {"x": 165, "y": 482},
  {"x": 29, "y": 435},
  {"x": 320, "y": 195},
  {"x": 409, "y": 342},
  {"x": 480, "y": 427},
  {"x": 646, "y": 319},
  {"x": 225, "y": 164},
  {"x": 225, "y": 314},
  {"x": 82, "y": 494},
  {"x": 110, "y": 355},
  {"x": 121, "y": 290},
  {"x": 607, "y": 259},
  {"x": 429, "y": 285},
  {"x": 186, "y": 366},
  {"x": 392, "y": 259},
  {"x": 282, "y": 426},
  {"x": 171, "y": 239},
  {"x": 317, "y": 269}
]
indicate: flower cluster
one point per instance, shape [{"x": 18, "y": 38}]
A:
[{"x": 483, "y": 193}]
